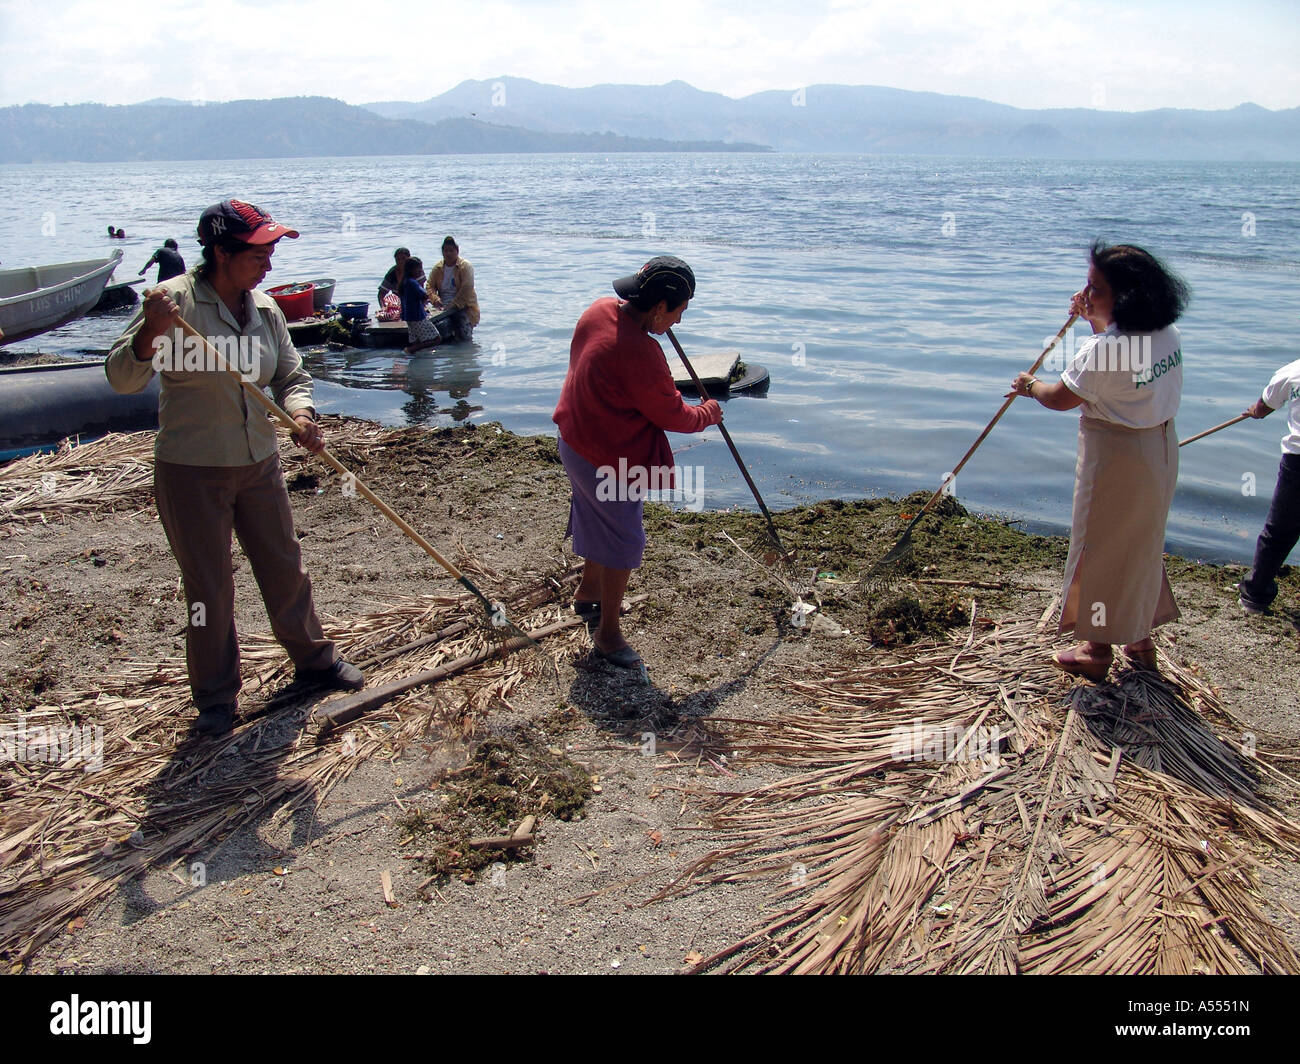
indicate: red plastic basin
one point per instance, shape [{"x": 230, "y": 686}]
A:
[{"x": 296, "y": 300}]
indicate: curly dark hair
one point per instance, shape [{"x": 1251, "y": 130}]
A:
[{"x": 1148, "y": 295}]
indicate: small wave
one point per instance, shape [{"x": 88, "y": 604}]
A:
[{"x": 1243, "y": 262}]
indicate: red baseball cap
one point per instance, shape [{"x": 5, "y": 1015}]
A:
[{"x": 237, "y": 220}]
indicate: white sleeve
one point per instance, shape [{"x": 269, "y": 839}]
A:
[
  {"x": 1283, "y": 386},
  {"x": 1080, "y": 376}
]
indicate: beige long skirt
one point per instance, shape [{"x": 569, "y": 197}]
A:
[{"x": 1116, "y": 589}]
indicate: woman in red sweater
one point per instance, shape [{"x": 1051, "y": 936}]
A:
[{"x": 617, "y": 401}]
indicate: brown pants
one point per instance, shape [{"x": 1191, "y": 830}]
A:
[{"x": 199, "y": 505}]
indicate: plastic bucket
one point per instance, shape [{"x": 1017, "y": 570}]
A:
[
  {"x": 324, "y": 294},
  {"x": 294, "y": 299},
  {"x": 354, "y": 311}
]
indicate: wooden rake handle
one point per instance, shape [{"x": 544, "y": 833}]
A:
[
  {"x": 252, "y": 389},
  {"x": 704, "y": 396},
  {"x": 996, "y": 418},
  {"x": 1208, "y": 432}
]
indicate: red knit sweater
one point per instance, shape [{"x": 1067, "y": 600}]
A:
[{"x": 619, "y": 396}]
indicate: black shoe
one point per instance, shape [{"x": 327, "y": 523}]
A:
[
  {"x": 338, "y": 677},
  {"x": 215, "y": 720},
  {"x": 1248, "y": 605}
]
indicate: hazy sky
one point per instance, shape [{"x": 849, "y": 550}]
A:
[{"x": 1029, "y": 53}]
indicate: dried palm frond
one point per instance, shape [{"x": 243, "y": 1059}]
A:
[
  {"x": 969, "y": 813},
  {"x": 112, "y": 473},
  {"x": 1150, "y": 720},
  {"x": 69, "y": 837},
  {"x": 115, "y": 472}
]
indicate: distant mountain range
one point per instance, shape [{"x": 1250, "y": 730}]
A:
[
  {"x": 304, "y": 126},
  {"x": 516, "y": 115},
  {"x": 866, "y": 118}
]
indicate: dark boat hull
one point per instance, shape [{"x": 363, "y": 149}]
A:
[{"x": 41, "y": 405}]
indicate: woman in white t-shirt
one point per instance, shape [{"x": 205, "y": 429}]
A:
[{"x": 1127, "y": 379}]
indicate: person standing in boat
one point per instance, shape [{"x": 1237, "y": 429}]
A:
[
  {"x": 1282, "y": 526},
  {"x": 452, "y": 297},
  {"x": 1128, "y": 380},
  {"x": 216, "y": 460},
  {"x": 169, "y": 261},
  {"x": 617, "y": 401}
]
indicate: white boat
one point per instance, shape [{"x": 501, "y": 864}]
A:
[{"x": 36, "y": 299}]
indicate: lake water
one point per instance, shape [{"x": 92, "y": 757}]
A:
[{"x": 892, "y": 299}]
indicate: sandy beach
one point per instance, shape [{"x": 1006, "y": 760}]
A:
[{"x": 287, "y": 847}]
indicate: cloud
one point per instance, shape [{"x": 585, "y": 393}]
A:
[{"x": 1024, "y": 52}]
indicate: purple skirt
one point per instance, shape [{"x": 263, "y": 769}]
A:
[{"x": 605, "y": 531}]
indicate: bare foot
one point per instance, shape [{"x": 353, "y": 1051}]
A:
[
  {"x": 1087, "y": 659},
  {"x": 1094, "y": 653},
  {"x": 1142, "y": 654}
]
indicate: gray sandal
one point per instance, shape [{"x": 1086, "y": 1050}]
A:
[{"x": 624, "y": 658}]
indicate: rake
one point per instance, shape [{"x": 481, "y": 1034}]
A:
[
  {"x": 1208, "y": 432},
  {"x": 882, "y": 572},
  {"x": 704, "y": 395},
  {"x": 495, "y": 611}
]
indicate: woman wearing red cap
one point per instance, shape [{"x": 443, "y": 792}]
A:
[
  {"x": 216, "y": 462},
  {"x": 617, "y": 400}
]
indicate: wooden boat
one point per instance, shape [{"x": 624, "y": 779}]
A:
[
  {"x": 36, "y": 299},
  {"x": 40, "y": 405}
]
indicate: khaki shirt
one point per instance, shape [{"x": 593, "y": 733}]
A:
[
  {"x": 204, "y": 416},
  {"x": 466, "y": 298}
]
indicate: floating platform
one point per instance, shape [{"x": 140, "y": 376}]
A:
[
  {"x": 722, "y": 374},
  {"x": 313, "y": 330},
  {"x": 381, "y": 334}
]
